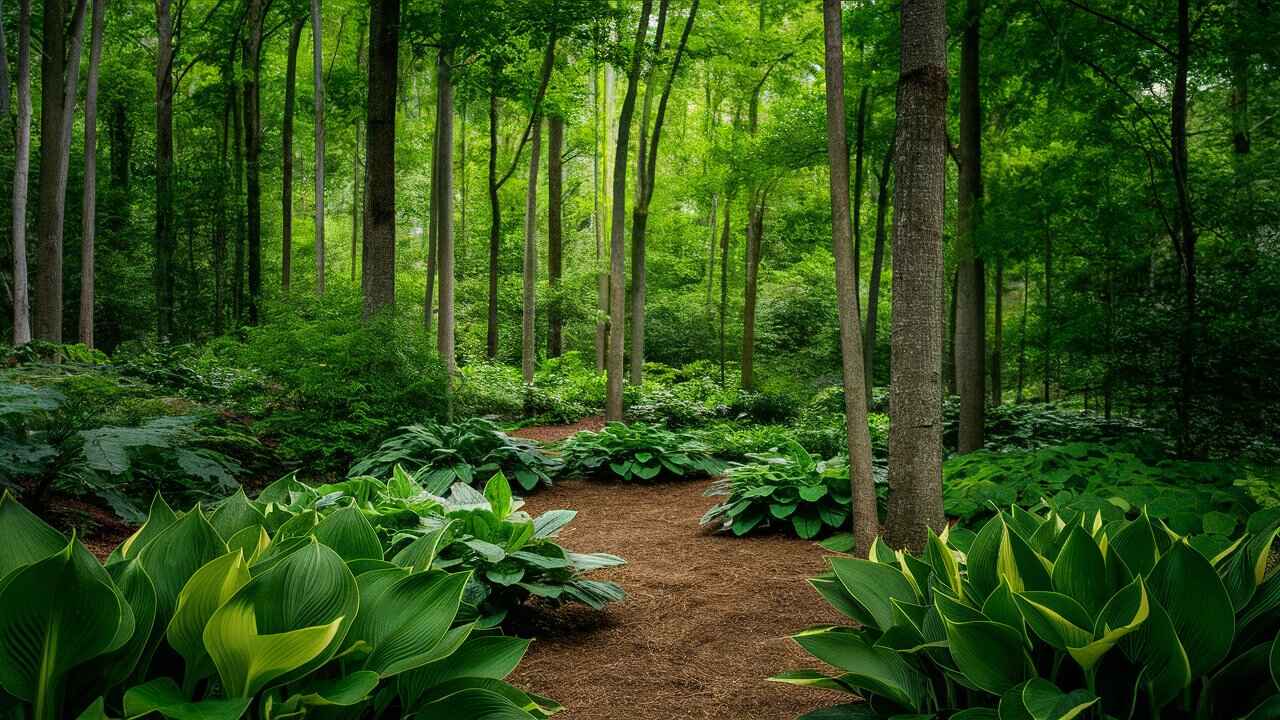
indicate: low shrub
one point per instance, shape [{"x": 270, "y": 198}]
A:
[
  {"x": 438, "y": 455},
  {"x": 786, "y": 489},
  {"x": 638, "y": 453},
  {"x": 305, "y": 619},
  {"x": 510, "y": 555},
  {"x": 1041, "y": 617}
]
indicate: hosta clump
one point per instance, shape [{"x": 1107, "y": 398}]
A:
[
  {"x": 511, "y": 555},
  {"x": 438, "y": 455},
  {"x": 638, "y": 453},
  {"x": 787, "y": 488},
  {"x": 230, "y": 614},
  {"x": 1037, "y": 617}
]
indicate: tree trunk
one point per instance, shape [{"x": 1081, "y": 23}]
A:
[
  {"x": 237, "y": 170},
  {"x": 433, "y": 214},
  {"x": 90, "y": 202},
  {"x": 1048, "y": 314},
  {"x": 617, "y": 244},
  {"x": 21, "y": 169},
  {"x": 1022, "y": 331},
  {"x": 357, "y": 199},
  {"x": 860, "y": 132},
  {"x": 59, "y": 69},
  {"x": 254, "y": 20},
  {"x": 495, "y": 227},
  {"x": 221, "y": 225},
  {"x": 915, "y": 404},
  {"x": 555, "y": 231},
  {"x": 286, "y": 144},
  {"x": 866, "y": 519},
  {"x": 725, "y": 237},
  {"x": 997, "y": 353},
  {"x": 444, "y": 215},
  {"x": 1186, "y": 238},
  {"x": 751, "y": 286},
  {"x": 317, "y": 71},
  {"x": 4, "y": 67},
  {"x": 598, "y": 171},
  {"x": 877, "y": 269},
  {"x": 529, "y": 271},
  {"x": 949, "y": 351},
  {"x": 378, "y": 259},
  {"x": 971, "y": 312}
]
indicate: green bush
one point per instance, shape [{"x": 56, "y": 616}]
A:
[
  {"x": 788, "y": 489},
  {"x": 638, "y": 453},
  {"x": 1041, "y": 617},
  {"x": 305, "y": 619},
  {"x": 439, "y": 455},
  {"x": 511, "y": 556}
]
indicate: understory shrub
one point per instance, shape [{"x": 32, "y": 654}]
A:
[
  {"x": 1192, "y": 497},
  {"x": 510, "y": 555},
  {"x": 438, "y": 455},
  {"x": 638, "y": 453},
  {"x": 1032, "y": 425},
  {"x": 1049, "y": 616},
  {"x": 213, "y": 616},
  {"x": 788, "y": 489},
  {"x": 563, "y": 393}
]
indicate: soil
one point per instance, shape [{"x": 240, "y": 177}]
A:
[
  {"x": 556, "y": 433},
  {"x": 705, "y": 621}
]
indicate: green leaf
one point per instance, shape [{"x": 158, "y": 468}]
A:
[
  {"x": 1080, "y": 572},
  {"x": 475, "y": 703},
  {"x": 878, "y": 670},
  {"x": 873, "y": 586},
  {"x": 235, "y": 514},
  {"x": 419, "y": 554},
  {"x": 162, "y": 696},
  {"x": 990, "y": 654},
  {"x": 349, "y": 533},
  {"x": 498, "y": 492},
  {"x": 1044, "y": 701},
  {"x": 1186, "y": 586},
  {"x": 492, "y": 657},
  {"x": 1124, "y": 613},
  {"x": 404, "y": 620},
  {"x": 205, "y": 592},
  {"x": 1056, "y": 618},
  {"x": 175, "y": 554},
  {"x": 26, "y": 539}
]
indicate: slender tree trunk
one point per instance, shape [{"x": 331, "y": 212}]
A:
[
  {"x": 237, "y": 170},
  {"x": 860, "y": 132},
  {"x": 713, "y": 222},
  {"x": 444, "y": 216},
  {"x": 529, "y": 272},
  {"x": 4, "y": 67},
  {"x": 1189, "y": 336},
  {"x": 90, "y": 202},
  {"x": 949, "y": 351},
  {"x": 359, "y": 178},
  {"x": 1048, "y": 314},
  {"x": 1022, "y": 331},
  {"x": 971, "y": 313},
  {"x": 433, "y": 214},
  {"x": 378, "y": 260},
  {"x": 220, "y": 229},
  {"x": 597, "y": 220},
  {"x": 21, "y": 168},
  {"x": 59, "y": 70},
  {"x": 725, "y": 238},
  {"x": 751, "y": 286},
  {"x": 877, "y": 268},
  {"x": 317, "y": 71},
  {"x": 254, "y": 20},
  {"x": 555, "y": 231},
  {"x": 915, "y": 404},
  {"x": 286, "y": 144},
  {"x": 164, "y": 231},
  {"x": 495, "y": 227},
  {"x": 617, "y": 244},
  {"x": 866, "y": 519},
  {"x": 1108, "y": 376},
  {"x": 997, "y": 353}
]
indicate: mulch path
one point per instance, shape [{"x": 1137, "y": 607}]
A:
[
  {"x": 556, "y": 433},
  {"x": 705, "y": 620}
]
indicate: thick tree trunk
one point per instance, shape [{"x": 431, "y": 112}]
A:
[
  {"x": 915, "y": 404},
  {"x": 971, "y": 312},
  {"x": 866, "y": 519},
  {"x": 617, "y": 244},
  {"x": 317, "y": 72},
  {"x": 21, "y": 170},
  {"x": 59, "y": 70},
  {"x": 877, "y": 269},
  {"x": 997, "y": 352},
  {"x": 529, "y": 271},
  {"x": 555, "y": 231},
  {"x": 444, "y": 216},
  {"x": 378, "y": 259},
  {"x": 286, "y": 145},
  {"x": 88, "y": 215},
  {"x": 254, "y": 19}
]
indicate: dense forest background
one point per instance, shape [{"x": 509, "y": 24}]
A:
[{"x": 1120, "y": 250}]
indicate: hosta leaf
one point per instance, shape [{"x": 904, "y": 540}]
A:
[
  {"x": 549, "y": 523},
  {"x": 873, "y": 586},
  {"x": 26, "y": 538},
  {"x": 1044, "y": 701},
  {"x": 747, "y": 521},
  {"x": 348, "y": 532},
  {"x": 235, "y": 514},
  {"x": 498, "y": 492},
  {"x": 1056, "y": 618},
  {"x": 813, "y": 493},
  {"x": 491, "y": 657},
  {"x": 646, "y": 471},
  {"x": 1124, "y": 613},
  {"x": 944, "y": 565},
  {"x": 1245, "y": 568},
  {"x": 814, "y": 679},
  {"x": 1203, "y": 618},
  {"x": 1156, "y": 646},
  {"x": 205, "y": 592},
  {"x": 990, "y": 654},
  {"x": 476, "y": 703},
  {"x": 419, "y": 554},
  {"x": 1019, "y": 565},
  {"x": 162, "y": 696},
  {"x": 175, "y": 554},
  {"x": 983, "y": 555},
  {"x": 159, "y": 517},
  {"x": 1080, "y": 572},
  {"x": 806, "y": 523},
  {"x": 1136, "y": 545},
  {"x": 781, "y": 510},
  {"x": 834, "y": 593},
  {"x": 878, "y": 670},
  {"x": 404, "y": 620}
]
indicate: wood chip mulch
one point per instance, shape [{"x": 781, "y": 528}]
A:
[
  {"x": 705, "y": 620},
  {"x": 556, "y": 433}
]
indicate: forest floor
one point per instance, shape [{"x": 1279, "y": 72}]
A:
[{"x": 704, "y": 623}]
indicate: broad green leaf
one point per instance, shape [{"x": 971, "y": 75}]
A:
[
  {"x": 498, "y": 492},
  {"x": 173, "y": 556},
  {"x": 1136, "y": 545},
  {"x": 1044, "y": 701},
  {"x": 161, "y": 516},
  {"x": 493, "y": 657},
  {"x": 419, "y": 554},
  {"x": 877, "y": 670},
  {"x": 349, "y": 533},
  {"x": 341, "y": 691},
  {"x": 1156, "y": 646},
  {"x": 812, "y": 678},
  {"x": 1019, "y": 565},
  {"x": 872, "y": 586},
  {"x": 1124, "y": 613},
  {"x": 1080, "y": 572},
  {"x": 206, "y": 591},
  {"x": 1056, "y": 619},
  {"x": 235, "y": 514},
  {"x": 990, "y": 654},
  {"x": 981, "y": 565},
  {"x": 162, "y": 696},
  {"x": 474, "y": 703},
  {"x": 1186, "y": 586},
  {"x": 26, "y": 539},
  {"x": 944, "y": 564},
  {"x": 403, "y": 621}
]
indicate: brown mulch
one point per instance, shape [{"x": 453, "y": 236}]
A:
[
  {"x": 705, "y": 620},
  {"x": 556, "y": 433}
]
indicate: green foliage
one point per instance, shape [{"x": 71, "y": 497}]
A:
[
  {"x": 1037, "y": 616},
  {"x": 565, "y": 391},
  {"x": 439, "y": 455},
  {"x": 255, "y": 622},
  {"x": 1192, "y": 497},
  {"x": 1033, "y": 425},
  {"x": 638, "y": 453},
  {"x": 787, "y": 489},
  {"x": 55, "y": 438},
  {"x": 510, "y": 555}
]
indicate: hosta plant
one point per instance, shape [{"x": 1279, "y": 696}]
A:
[
  {"x": 217, "y": 617},
  {"x": 510, "y": 554},
  {"x": 1037, "y": 617},
  {"x": 438, "y": 455},
  {"x": 638, "y": 453},
  {"x": 787, "y": 488}
]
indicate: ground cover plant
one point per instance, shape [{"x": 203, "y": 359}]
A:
[
  {"x": 787, "y": 488},
  {"x": 1049, "y": 616},
  {"x": 213, "y": 616},
  {"x": 638, "y": 452},
  {"x": 470, "y": 451},
  {"x": 511, "y": 556}
]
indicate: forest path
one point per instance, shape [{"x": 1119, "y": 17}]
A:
[{"x": 705, "y": 619}]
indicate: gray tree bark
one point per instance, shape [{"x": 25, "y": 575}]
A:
[
  {"x": 915, "y": 403},
  {"x": 555, "y": 231},
  {"x": 88, "y": 215},
  {"x": 21, "y": 170},
  {"x": 971, "y": 303},
  {"x": 529, "y": 274},
  {"x": 378, "y": 257},
  {"x": 444, "y": 217},
  {"x": 317, "y": 71},
  {"x": 286, "y": 146}
]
